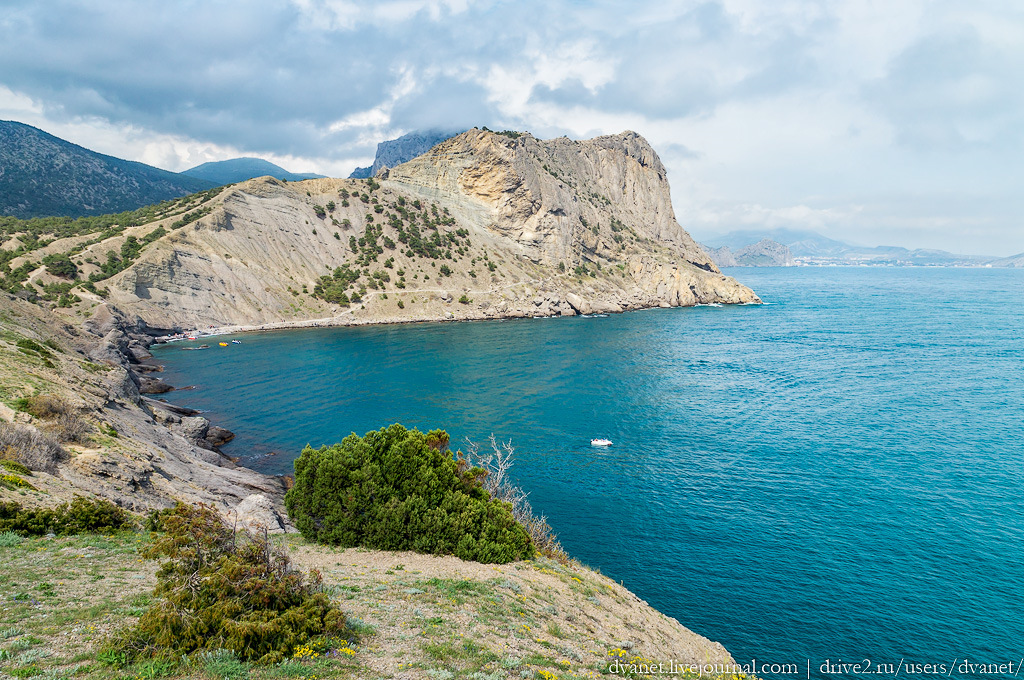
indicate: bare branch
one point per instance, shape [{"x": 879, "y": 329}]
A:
[{"x": 498, "y": 462}]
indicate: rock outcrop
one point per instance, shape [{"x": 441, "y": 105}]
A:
[
  {"x": 397, "y": 151},
  {"x": 478, "y": 227},
  {"x": 140, "y": 453}
]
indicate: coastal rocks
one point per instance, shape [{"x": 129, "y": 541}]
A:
[
  {"x": 218, "y": 436},
  {"x": 578, "y": 303},
  {"x": 138, "y": 353},
  {"x": 148, "y": 385},
  {"x": 197, "y": 430},
  {"x": 257, "y": 512},
  {"x": 193, "y": 428}
]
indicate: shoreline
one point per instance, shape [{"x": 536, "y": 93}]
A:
[{"x": 339, "y": 321}]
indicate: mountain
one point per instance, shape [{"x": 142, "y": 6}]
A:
[
  {"x": 764, "y": 253},
  {"x": 485, "y": 225},
  {"x": 799, "y": 242},
  {"x": 811, "y": 248},
  {"x": 43, "y": 175},
  {"x": 240, "y": 169},
  {"x": 1014, "y": 261},
  {"x": 405, "y": 148}
]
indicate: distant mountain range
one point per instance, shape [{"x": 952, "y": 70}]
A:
[
  {"x": 241, "y": 169},
  {"x": 43, "y": 175},
  {"x": 397, "y": 151},
  {"x": 811, "y": 248},
  {"x": 764, "y": 253}
]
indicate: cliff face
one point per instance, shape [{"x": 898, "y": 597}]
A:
[
  {"x": 506, "y": 226},
  {"x": 138, "y": 452},
  {"x": 397, "y": 151}
]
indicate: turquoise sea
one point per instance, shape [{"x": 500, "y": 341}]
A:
[{"x": 836, "y": 474}]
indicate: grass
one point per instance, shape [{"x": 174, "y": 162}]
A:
[{"x": 63, "y": 596}]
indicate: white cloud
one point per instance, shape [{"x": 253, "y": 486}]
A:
[{"x": 875, "y": 117}]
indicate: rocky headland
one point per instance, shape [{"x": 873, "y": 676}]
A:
[{"x": 482, "y": 226}]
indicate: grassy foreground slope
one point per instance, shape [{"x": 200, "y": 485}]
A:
[{"x": 418, "y": 616}]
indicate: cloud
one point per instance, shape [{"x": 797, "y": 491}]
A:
[{"x": 825, "y": 104}]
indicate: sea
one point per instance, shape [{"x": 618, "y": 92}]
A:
[{"x": 833, "y": 477}]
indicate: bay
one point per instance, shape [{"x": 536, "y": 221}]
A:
[{"x": 833, "y": 475}]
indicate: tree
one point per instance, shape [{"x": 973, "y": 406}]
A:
[
  {"x": 222, "y": 589},
  {"x": 61, "y": 265},
  {"x": 399, "y": 489}
]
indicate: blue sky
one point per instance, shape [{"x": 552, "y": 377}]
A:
[{"x": 876, "y": 122}]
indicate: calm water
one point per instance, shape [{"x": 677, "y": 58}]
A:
[{"x": 835, "y": 474}]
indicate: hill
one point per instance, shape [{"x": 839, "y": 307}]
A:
[
  {"x": 1014, "y": 261},
  {"x": 811, "y": 248},
  {"x": 764, "y": 253},
  {"x": 42, "y": 175},
  {"x": 418, "y": 617},
  {"x": 240, "y": 169},
  {"x": 397, "y": 151},
  {"x": 483, "y": 226}
]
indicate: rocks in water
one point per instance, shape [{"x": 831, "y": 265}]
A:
[
  {"x": 170, "y": 408},
  {"x": 578, "y": 303},
  {"x": 602, "y": 307},
  {"x": 217, "y": 436},
  {"x": 148, "y": 385}
]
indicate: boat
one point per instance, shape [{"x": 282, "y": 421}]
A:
[
  {"x": 236, "y": 342},
  {"x": 223, "y": 344},
  {"x": 600, "y": 442}
]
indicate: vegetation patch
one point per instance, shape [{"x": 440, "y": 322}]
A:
[
  {"x": 79, "y": 516},
  {"x": 26, "y": 446},
  {"x": 225, "y": 591},
  {"x": 399, "y": 489}
]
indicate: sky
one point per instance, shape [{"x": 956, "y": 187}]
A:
[{"x": 872, "y": 121}]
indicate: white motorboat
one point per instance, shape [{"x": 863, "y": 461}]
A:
[{"x": 600, "y": 442}]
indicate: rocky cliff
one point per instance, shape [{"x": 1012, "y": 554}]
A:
[
  {"x": 397, "y": 151},
  {"x": 113, "y": 441},
  {"x": 484, "y": 225}
]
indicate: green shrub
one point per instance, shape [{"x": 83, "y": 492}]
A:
[
  {"x": 9, "y": 539},
  {"x": 9, "y": 481},
  {"x": 222, "y": 590},
  {"x": 60, "y": 265},
  {"x": 15, "y": 467},
  {"x": 80, "y": 516},
  {"x": 399, "y": 489}
]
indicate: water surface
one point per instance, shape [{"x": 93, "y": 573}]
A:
[{"x": 835, "y": 474}]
